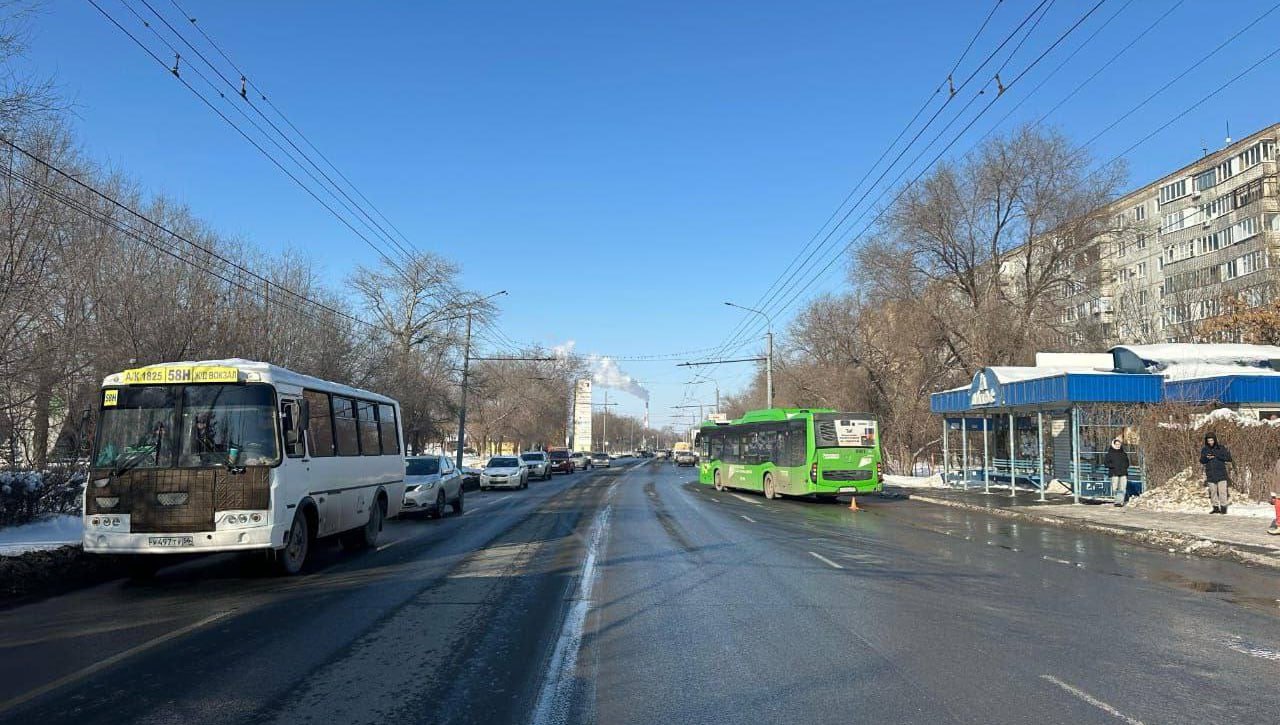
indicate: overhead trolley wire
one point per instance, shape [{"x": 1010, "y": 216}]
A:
[{"x": 248, "y": 138}]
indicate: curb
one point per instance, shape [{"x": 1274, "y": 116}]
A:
[{"x": 1173, "y": 542}]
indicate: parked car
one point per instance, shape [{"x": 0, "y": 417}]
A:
[
  {"x": 538, "y": 463},
  {"x": 431, "y": 482},
  {"x": 581, "y": 460},
  {"x": 600, "y": 459},
  {"x": 504, "y": 472},
  {"x": 686, "y": 458},
  {"x": 561, "y": 462}
]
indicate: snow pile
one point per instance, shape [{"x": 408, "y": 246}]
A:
[
  {"x": 1161, "y": 356},
  {"x": 1222, "y": 415},
  {"x": 1186, "y": 493},
  {"x": 47, "y": 533},
  {"x": 913, "y": 481}
]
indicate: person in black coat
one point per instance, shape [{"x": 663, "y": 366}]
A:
[
  {"x": 1214, "y": 457},
  {"x": 1117, "y": 463}
]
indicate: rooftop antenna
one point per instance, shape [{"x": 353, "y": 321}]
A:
[
  {"x": 1228, "y": 132},
  {"x": 1204, "y": 148}
]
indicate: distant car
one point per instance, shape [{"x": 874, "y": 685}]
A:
[
  {"x": 504, "y": 472},
  {"x": 686, "y": 458},
  {"x": 538, "y": 463},
  {"x": 431, "y": 482},
  {"x": 600, "y": 459},
  {"x": 646, "y": 454},
  {"x": 561, "y": 461},
  {"x": 581, "y": 460},
  {"x": 615, "y": 456},
  {"x": 662, "y": 453}
]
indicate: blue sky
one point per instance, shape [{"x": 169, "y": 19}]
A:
[{"x": 620, "y": 168}]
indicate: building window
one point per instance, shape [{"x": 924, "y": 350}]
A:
[
  {"x": 1248, "y": 193},
  {"x": 1268, "y": 150},
  {"x": 1174, "y": 190},
  {"x": 1244, "y": 229},
  {"x": 1142, "y": 270},
  {"x": 1142, "y": 241},
  {"x": 1206, "y": 180},
  {"x": 1142, "y": 298},
  {"x": 1252, "y": 156},
  {"x": 1140, "y": 212}
]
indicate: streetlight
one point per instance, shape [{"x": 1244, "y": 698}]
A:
[{"x": 768, "y": 360}]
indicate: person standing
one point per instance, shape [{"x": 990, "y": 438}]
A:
[
  {"x": 1117, "y": 463},
  {"x": 1214, "y": 457}
]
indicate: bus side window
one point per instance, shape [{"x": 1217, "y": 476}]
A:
[{"x": 320, "y": 427}]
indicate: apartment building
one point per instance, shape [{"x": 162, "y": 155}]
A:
[{"x": 1182, "y": 245}]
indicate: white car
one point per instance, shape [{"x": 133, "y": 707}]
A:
[
  {"x": 504, "y": 472},
  {"x": 538, "y": 463},
  {"x": 581, "y": 461},
  {"x": 431, "y": 483},
  {"x": 601, "y": 460}
]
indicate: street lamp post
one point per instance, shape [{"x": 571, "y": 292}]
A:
[{"x": 768, "y": 360}]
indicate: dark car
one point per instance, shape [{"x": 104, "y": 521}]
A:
[{"x": 562, "y": 462}]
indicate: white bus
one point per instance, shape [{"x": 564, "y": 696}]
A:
[{"x": 236, "y": 455}]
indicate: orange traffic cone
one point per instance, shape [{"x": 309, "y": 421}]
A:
[{"x": 853, "y": 503}]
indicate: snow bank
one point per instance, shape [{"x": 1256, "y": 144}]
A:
[
  {"x": 1224, "y": 415},
  {"x": 47, "y": 533},
  {"x": 1186, "y": 493},
  {"x": 913, "y": 481}
]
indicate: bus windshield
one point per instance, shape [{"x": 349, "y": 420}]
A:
[{"x": 187, "y": 426}]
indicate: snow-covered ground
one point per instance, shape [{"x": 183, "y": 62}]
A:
[
  {"x": 47, "y": 533},
  {"x": 934, "y": 481}
]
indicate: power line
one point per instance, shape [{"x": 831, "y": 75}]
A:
[
  {"x": 74, "y": 179},
  {"x": 767, "y": 298},
  {"x": 802, "y": 288},
  {"x": 174, "y": 71},
  {"x": 369, "y": 220}
]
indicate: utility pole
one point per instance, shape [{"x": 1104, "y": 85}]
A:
[
  {"x": 462, "y": 411},
  {"x": 604, "y": 433},
  {"x": 466, "y": 364}
]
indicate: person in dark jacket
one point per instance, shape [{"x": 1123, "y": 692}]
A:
[
  {"x": 1117, "y": 463},
  {"x": 1214, "y": 457}
]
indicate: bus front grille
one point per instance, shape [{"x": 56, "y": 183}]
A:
[
  {"x": 848, "y": 475},
  {"x": 179, "y": 500}
]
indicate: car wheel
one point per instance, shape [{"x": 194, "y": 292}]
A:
[
  {"x": 293, "y": 556},
  {"x": 457, "y": 504},
  {"x": 437, "y": 510},
  {"x": 770, "y": 492},
  {"x": 715, "y": 477}
]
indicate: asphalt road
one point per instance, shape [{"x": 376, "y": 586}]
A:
[{"x": 636, "y": 596}]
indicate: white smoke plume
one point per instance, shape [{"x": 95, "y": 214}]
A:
[{"x": 606, "y": 374}]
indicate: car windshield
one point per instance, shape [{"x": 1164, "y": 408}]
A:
[
  {"x": 187, "y": 426},
  {"x": 421, "y": 466},
  {"x": 559, "y": 455},
  {"x": 599, "y": 455},
  {"x": 503, "y": 463},
  {"x": 531, "y": 457}
]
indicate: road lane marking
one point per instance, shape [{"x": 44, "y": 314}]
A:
[
  {"x": 825, "y": 560},
  {"x": 1105, "y": 707},
  {"x": 386, "y": 546},
  {"x": 108, "y": 662},
  {"x": 1262, "y": 653},
  {"x": 740, "y": 497},
  {"x": 748, "y": 518},
  {"x": 555, "y": 699}
]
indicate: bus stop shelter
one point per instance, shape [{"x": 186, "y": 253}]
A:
[{"x": 1006, "y": 413}]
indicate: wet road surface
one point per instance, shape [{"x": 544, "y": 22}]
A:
[{"x": 636, "y": 596}]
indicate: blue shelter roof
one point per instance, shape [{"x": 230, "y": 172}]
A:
[{"x": 996, "y": 389}]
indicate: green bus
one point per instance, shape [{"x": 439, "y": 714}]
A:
[{"x": 792, "y": 452}]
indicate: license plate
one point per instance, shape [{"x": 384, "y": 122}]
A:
[
  {"x": 171, "y": 541},
  {"x": 848, "y": 489}
]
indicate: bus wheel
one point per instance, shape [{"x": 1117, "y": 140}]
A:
[
  {"x": 716, "y": 478},
  {"x": 769, "y": 491},
  {"x": 365, "y": 537},
  {"x": 293, "y": 556}
]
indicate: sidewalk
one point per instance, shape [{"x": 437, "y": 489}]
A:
[{"x": 1240, "y": 538}]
